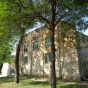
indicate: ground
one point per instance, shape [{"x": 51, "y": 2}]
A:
[{"x": 39, "y": 82}]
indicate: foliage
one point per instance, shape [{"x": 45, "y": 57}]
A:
[
  {"x": 5, "y": 53},
  {"x": 5, "y": 35},
  {"x": 65, "y": 11},
  {"x": 81, "y": 2}
]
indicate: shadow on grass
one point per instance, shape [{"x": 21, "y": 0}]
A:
[
  {"x": 73, "y": 86},
  {"x": 6, "y": 79},
  {"x": 66, "y": 80},
  {"x": 37, "y": 83},
  {"x": 26, "y": 77}
]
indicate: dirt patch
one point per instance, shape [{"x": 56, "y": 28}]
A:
[{"x": 42, "y": 79}]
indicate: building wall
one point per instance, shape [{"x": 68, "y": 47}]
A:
[
  {"x": 84, "y": 60},
  {"x": 66, "y": 53},
  {"x": 68, "y": 64}
]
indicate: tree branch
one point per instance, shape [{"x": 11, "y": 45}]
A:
[
  {"x": 61, "y": 17},
  {"x": 40, "y": 16}
]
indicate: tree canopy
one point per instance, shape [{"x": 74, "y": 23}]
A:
[
  {"x": 65, "y": 11},
  {"x": 5, "y": 35}
]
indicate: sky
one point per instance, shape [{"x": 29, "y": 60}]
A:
[
  {"x": 39, "y": 25},
  {"x": 86, "y": 32}
]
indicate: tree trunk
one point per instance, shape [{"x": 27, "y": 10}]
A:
[
  {"x": 16, "y": 76},
  {"x": 52, "y": 65},
  {"x": 52, "y": 27},
  {"x": 1, "y": 67}
]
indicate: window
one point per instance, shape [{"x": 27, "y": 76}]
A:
[
  {"x": 35, "y": 45},
  {"x": 26, "y": 47},
  {"x": 47, "y": 57},
  {"x": 12, "y": 71},
  {"x": 25, "y": 59},
  {"x": 47, "y": 41}
]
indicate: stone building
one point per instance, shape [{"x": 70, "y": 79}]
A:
[{"x": 35, "y": 54}]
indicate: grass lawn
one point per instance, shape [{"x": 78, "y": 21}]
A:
[{"x": 25, "y": 82}]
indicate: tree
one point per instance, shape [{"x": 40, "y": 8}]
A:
[
  {"x": 5, "y": 37},
  {"x": 19, "y": 23},
  {"x": 1, "y": 66},
  {"x": 58, "y": 11}
]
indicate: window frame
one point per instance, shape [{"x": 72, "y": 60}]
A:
[
  {"x": 47, "y": 45},
  {"x": 25, "y": 57},
  {"x": 37, "y": 45},
  {"x": 25, "y": 47},
  {"x": 49, "y": 59}
]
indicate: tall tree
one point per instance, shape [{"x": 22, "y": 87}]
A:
[
  {"x": 58, "y": 11},
  {"x": 5, "y": 36},
  {"x": 18, "y": 22}
]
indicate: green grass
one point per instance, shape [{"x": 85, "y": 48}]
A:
[
  {"x": 25, "y": 82},
  {"x": 73, "y": 86}
]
